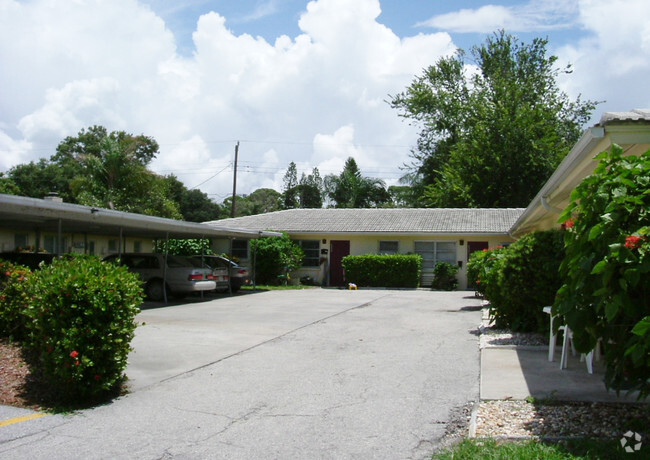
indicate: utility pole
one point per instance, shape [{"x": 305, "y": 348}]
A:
[{"x": 234, "y": 182}]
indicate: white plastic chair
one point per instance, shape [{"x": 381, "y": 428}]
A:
[{"x": 587, "y": 357}]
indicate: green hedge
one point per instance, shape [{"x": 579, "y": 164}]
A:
[
  {"x": 528, "y": 279},
  {"x": 520, "y": 280},
  {"x": 399, "y": 270}
]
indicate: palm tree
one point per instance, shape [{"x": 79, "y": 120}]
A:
[{"x": 351, "y": 190}]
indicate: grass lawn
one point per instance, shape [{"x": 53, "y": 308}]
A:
[{"x": 492, "y": 449}]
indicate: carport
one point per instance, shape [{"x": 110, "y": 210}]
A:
[{"x": 54, "y": 216}]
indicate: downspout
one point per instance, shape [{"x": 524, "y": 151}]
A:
[
  {"x": 550, "y": 208},
  {"x": 165, "y": 268}
]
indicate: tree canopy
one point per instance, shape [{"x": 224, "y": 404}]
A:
[
  {"x": 492, "y": 136},
  {"x": 306, "y": 193},
  {"x": 98, "y": 168},
  {"x": 352, "y": 190}
]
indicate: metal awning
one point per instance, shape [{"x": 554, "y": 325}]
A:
[{"x": 23, "y": 213}]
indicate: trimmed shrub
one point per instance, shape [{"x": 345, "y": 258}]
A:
[
  {"x": 444, "y": 277},
  {"x": 275, "y": 258},
  {"x": 606, "y": 294},
  {"x": 523, "y": 279},
  {"x": 82, "y": 320},
  {"x": 398, "y": 270},
  {"x": 14, "y": 300}
]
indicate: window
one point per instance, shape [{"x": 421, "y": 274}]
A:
[
  {"x": 240, "y": 249},
  {"x": 388, "y": 247},
  {"x": 91, "y": 248},
  {"x": 137, "y": 246},
  {"x": 20, "y": 240},
  {"x": 112, "y": 245},
  {"x": 433, "y": 252},
  {"x": 311, "y": 248},
  {"x": 50, "y": 244}
]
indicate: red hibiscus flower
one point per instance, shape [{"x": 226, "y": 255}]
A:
[
  {"x": 74, "y": 354},
  {"x": 633, "y": 242}
]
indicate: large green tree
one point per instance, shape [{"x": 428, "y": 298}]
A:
[
  {"x": 352, "y": 190},
  {"x": 194, "y": 205},
  {"x": 491, "y": 133},
  {"x": 306, "y": 193}
]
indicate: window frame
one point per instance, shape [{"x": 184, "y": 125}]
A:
[
  {"x": 311, "y": 254},
  {"x": 389, "y": 252}
]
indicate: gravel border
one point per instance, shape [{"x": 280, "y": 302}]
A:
[{"x": 522, "y": 419}]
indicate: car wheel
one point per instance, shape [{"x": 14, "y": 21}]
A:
[
  {"x": 154, "y": 290},
  {"x": 235, "y": 288}
]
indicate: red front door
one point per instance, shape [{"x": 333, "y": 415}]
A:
[
  {"x": 338, "y": 250},
  {"x": 473, "y": 246}
]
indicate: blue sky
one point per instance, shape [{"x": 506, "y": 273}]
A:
[
  {"x": 292, "y": 80},
  {"x": 272, "y": 18}
]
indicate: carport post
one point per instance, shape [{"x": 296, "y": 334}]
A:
[
  {"x": 164, "y": 286},
  {"x": 59, "y": 239}
]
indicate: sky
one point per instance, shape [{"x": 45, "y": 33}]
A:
[{"x": 290, "y": 80}]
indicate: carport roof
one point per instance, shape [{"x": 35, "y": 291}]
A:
[{"x": 23, "y": 213}]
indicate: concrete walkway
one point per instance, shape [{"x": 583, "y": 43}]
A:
[{"x": 284, "y": 374}]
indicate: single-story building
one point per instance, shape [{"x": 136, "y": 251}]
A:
[
  {"x": 328, "y": 235},
  {"x": 449, "y": 235},
  {"x": 32, "y": 224}
]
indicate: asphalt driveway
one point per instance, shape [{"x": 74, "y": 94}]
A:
[{"x": 282, "y": 374}]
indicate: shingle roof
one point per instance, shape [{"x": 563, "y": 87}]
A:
[
  {"x": 636, "y": 115},
  {"x": 391, "y": 220}
]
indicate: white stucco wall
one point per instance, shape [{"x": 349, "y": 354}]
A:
[{"x": 369, "y": 244}]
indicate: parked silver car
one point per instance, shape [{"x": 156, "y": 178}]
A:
[
  {"x": 182, "y": 276},
  {"x": 220, "y": 274},
  {"x": 239, "y": 275}
]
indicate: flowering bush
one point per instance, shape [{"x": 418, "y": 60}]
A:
[
  {"x": 606, "y": 294},
  {"x": 13, "y": 300},
  {"x": 82, "y": 313},
  {"x": 480, "y": 266}
]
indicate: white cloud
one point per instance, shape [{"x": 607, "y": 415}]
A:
[
  {"x": 69, "y": 65},
  {"x": 535, "y": 16},
  {"x": 612, "y": 62}
]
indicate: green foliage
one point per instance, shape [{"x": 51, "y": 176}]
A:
[
  {"x": 490, "y": 138},
  {"x": 480, "y": 267},
  {"x": 14, "y": 300},
  {"x": 184, "y": 247},
  {"x": 194, "y": 205},
  {"x": 8, "y": 186},
  {"x": 308, "y": 193},
  {"x": 81, "y": 322},
  {"x": 524, "y": 279},
  {"x": 275, "y": 258},
  {"x": 397, "y": 270},
  {"x": 444, "y": 277},
  {"x": 606, "y": 293},
  {"x": 351, "y": 190}
]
